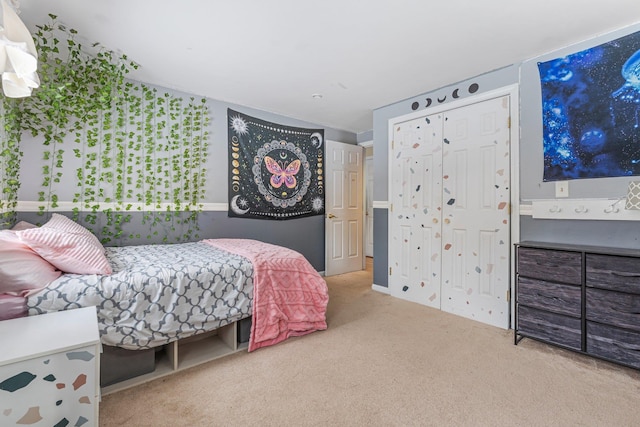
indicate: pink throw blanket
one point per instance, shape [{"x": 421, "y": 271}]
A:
[{"x": 289, "y": 296}]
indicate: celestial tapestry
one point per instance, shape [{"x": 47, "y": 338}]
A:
[
  {"x": 591, "y": 112},
  {"x": 275, "y": 171}
]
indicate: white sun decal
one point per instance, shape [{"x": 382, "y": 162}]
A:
[
  {"x": 239, "y": 125},
  {"x": 317, "y": 204}
]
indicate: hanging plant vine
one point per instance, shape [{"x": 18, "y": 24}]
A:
[
  {"x": 132, "y": 147},
  {"x": 10, "y": 157}
]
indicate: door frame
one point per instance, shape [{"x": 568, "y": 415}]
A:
[
  {"x": 514, "y": 108},
  {"x": 365, "y": 145}
]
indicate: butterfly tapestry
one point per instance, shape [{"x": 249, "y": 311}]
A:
[
  {"x": 275, "y": 171},
  {"x": 282, "y": 174}
]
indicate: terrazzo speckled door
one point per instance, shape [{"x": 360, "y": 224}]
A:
[
  {"x": 476, "y": 218},
  {"x": 449, "y": 225},
  {"x": 416, "y": 210}
]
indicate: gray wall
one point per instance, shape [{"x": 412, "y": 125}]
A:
[
  {"x": 607, "y": 233},
  {"x": 214, "y": 223},
  {"x": 365, "y": 136}
]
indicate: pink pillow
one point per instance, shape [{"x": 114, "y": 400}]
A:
[
  {"x": 68, "y": 246},
  {"x": 20, "y": 267},
  {"x": 23, "y": 225},
  {"x": 12, "y": 307},
  {"x": 62, "y": 223}
]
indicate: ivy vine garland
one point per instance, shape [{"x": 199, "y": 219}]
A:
[
  {"x": 130, "y": 147},
  {"x": 10, "y": 156}
]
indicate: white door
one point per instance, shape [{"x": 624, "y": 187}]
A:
[
  {"x": 449, "y": 218},
  {"x": 415, "y": 193},
  {"x": 344, "y": 208},
  {"x": 368, "y": 207},
  {"x": 476, "y": 217}
]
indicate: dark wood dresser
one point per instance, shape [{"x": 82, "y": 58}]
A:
[{"x": 583, "y": 298}]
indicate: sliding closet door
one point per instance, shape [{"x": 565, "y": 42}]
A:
[
  {"x": 416, "y": 203},
  {"x": 476, "y": 217}
]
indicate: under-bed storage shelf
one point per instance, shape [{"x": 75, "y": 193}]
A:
[
  {"x": 584, "y": 298},
  {"x": 186, "y": 353},
  {"x": 202, "y": 348}
]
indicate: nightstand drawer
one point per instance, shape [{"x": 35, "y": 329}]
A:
[
  {"x": 549, "y": 264},
  {"x": 614, "y": 344},
  {"x": 613, "y": 308},
  {"x": 618, "y": 273},
  {"x": 551, "y": 327},
  {"x": 556, "y": 297}
]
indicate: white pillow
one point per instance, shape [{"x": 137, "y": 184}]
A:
[{"x": 68, "y": 246}]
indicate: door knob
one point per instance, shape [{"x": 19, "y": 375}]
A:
[{"x": 331, "y": 216}]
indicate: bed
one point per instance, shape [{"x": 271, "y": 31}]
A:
[
  {"x": 150, "y": 295},
  {"x": 156, "y": 294}
]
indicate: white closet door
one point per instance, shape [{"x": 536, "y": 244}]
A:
[
  {"x": 416, "y": 203},
  {"x": 476, "y": 211}
]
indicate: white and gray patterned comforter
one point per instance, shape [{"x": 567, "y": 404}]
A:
[{"x": 157, "y": 293}]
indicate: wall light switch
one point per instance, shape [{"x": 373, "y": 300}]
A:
[{"x": 562, "y": 188}]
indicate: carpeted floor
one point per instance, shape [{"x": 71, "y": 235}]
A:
[{"x": 388, "y": 362}]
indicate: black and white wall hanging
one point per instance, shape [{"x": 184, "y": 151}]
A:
[{"x": 275, "y": 171}]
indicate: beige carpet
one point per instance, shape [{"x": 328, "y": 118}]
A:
[{"x": 388, "y": 362}]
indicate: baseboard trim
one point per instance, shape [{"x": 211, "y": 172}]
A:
[{"x": 381, "y": 289}]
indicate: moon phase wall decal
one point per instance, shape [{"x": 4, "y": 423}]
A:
[
  {"x": 275, "y": 171},
  {"x": 473, "y": 88}
]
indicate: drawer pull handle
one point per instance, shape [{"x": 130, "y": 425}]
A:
[
  {"x": 623, "y": 274},
  {"x": 627, "y": 346},
  {"x": 632, "y": 312},
  {"x": 545, "y": 296},
  {"x": 546, "y": 265}
]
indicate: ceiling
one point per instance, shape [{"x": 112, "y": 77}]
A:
[{"x": 358, "y": 55}]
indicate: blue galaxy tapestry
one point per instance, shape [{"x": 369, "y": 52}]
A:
[
  {"x": 275, "y": 171},
  {"x": 590, "y": 112}
]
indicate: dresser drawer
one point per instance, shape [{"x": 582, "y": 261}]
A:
[
  {"x": 614, "y": 344},
  {"x": 551, "y": 296},
  {"x": 550, "y": 327},
  {"x": 613, "y": 308},
  {"x": 619, "y": 273},
  {"x": 550, "y": 264}
]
